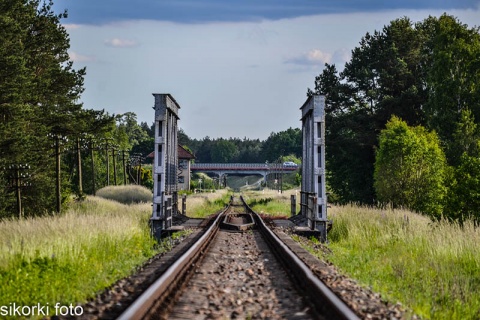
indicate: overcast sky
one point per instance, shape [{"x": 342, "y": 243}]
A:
[{"x": 237, "y": 68}]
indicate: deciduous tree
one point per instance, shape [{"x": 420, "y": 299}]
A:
[{"x": 410, "y": 168}]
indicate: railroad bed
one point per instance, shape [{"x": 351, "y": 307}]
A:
[
  {"x": 240, "y": 278},
  {"x": 237, "y": 275}
]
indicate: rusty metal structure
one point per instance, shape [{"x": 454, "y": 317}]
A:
[
  {"x": 313, "y": 193},
  {"x": 165, "y": 196}
]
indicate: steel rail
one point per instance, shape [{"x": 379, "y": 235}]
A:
[
  {"x": 324, "y": 301},
  {"x": 158, "y": 291},
  {"x": 329, "y": 304}
]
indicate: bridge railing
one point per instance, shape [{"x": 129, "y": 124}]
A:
[{"x": 241, "y": 166}]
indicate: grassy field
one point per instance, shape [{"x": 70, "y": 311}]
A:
[
  {"x": 201, "y": 205},
  {"x": 70, "y": 257},
  {"x": 432, "y": 268},
  {"x": 67, "y": 259},
  {"x": 272, "y": 202}
]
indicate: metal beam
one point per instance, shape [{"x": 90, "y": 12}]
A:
[
  {"x": 165, "y": 198},
  {"x": 313, "y": 195}
]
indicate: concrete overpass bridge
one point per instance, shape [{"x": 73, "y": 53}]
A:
[{"x": 263, "y": 169}]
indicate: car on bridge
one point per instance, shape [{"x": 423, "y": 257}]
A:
[{"x": 290, "y": 164}]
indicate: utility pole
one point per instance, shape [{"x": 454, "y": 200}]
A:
[
  {"x": 58, "y": 140},
  {"x": 124, "y": 167},
  {"x": 109, "y": 143},
  {"x": 108, "y": 162},
  {"x": 281, "y": 171},
  {"x": 58, "y": 171},
  {"x": 79, "y": 166},
  {"x": 92, "y": 156},
  {"x": 140, "y": 170},
  {"x": 136, "y": 162},
  {"x": 114, "y": 166},
  {"x": 18, "y": 175}
]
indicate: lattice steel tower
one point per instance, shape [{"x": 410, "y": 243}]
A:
[
  {"x": 313, "y": 194},
  {"x": 165, "y": 198}
]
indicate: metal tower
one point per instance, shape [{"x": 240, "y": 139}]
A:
[
  {"x": 165, "y": 198},
  {"x": 313, "y": 193}
]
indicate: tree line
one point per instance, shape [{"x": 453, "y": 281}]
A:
[
  {"x": 278, "y": 147},
  {"x": 39, "y": 90},
  {"x": 52, "y": 148},
  {"x": 402, "y": 119}
]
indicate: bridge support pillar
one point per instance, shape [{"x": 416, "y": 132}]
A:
[
  {"x": 313, "y": 193},
  {"x": 165, "y": 198},
  {"x": 222, "y": 179}
]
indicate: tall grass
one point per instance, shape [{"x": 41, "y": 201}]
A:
[
  {"x": 272, "y": 202},
  {"x": 431, "y": 267},
  {"x": 69, "y": 258},
  {"x": 202, "y": 205}
]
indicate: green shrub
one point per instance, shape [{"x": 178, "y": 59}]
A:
[
  {"x": 410, "y": 168},
  {"x": 463, "y": 198}
]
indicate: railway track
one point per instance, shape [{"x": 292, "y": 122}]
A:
[{"x": 238, "y": 268}]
